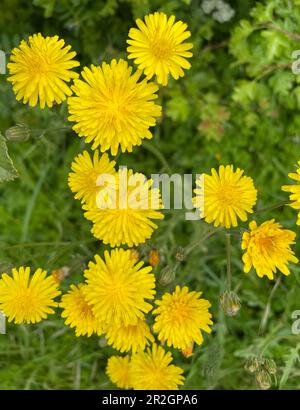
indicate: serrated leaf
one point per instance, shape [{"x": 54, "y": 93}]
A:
[{"x": 7, "y": 170}]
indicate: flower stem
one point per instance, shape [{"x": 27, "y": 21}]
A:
[
  {"x": 272, "y": 207},
  {"x": 228, "y": 255}
]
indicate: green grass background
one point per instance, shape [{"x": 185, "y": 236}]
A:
[{"x": 238, "y": 104}]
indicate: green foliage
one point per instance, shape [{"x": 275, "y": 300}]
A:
[{"x": 238, "y": 104}]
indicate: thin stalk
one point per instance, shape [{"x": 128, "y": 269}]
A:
[{"x": 228, "y": 255}]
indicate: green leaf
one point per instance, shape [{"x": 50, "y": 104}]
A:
[{"x": 7, "y": 170}]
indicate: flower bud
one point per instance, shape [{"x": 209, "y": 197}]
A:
[
  {"x": 189, "y": 351},
  {"x": 230, "y": 302},
  {"x": 270, "y": 366},
  {"x": 154, "y": 258},
  {"x": 263, "y": 379},
  {"x": 60, "y": 274},
  {"x": 180, "y": 255},
  {"x": 134, "y": 254},
  {"x": 252, "y": 364},
  {"x": 18, "y": 133},
  {"x": 102, "y": 341},
  {"x": 167, "y": 275}
]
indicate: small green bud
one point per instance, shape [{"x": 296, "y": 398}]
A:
[
  {"x": 102, "y": 341},
  {"x": 167, "y": 275},
  {"x": 18, "y": 133},
  {"x": 263, "y": 379},
  {"x": 252, "y": 364},
  {"x": 230, "y": 303}
]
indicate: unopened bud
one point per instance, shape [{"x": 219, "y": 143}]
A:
[
  {"x": 18, "y": 133},
  {"x": 180, "y": 255},
  {"x": 60, "y": 274},
  {"x": 102, "y": 341},
  {"x": 264, "y": 380},
  {"x": 167, "y": 276},
  {"x": 154, "y": 257},
  {"x": 230, "y": 303},
  {"x": 134, "y": 255},
  {"x": 270, "y": 366},
  {"x": 252, "y": 364},
  {"x": 188, "y": 352}
]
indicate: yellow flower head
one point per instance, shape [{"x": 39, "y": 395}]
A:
[
  {"x": 294, "y": 190},
  {"x": 268, "y": 248},
  {"x": 78, "y": 312},
  {"x": 117, "y": 288},
  {"x": 40, "y": 69},
  {"x": 118, "y": 370},
  {"x": 131, "y": 337},
  {"x": 111, "y": 107},
  {"x": 225, "y": 196},
  {"x": 180, "y": 318},
  {"x": 151, "y": 370},
  {"x": 158, "y": 47},
  {"x": 85, "y": 176},
  {"x": 126, "y": 217},
  {"x": 26, "y": 298}
]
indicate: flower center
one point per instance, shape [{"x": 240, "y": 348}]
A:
[
  {"x": 227, "y": 195},
  {"x": 161, "y": 49}
]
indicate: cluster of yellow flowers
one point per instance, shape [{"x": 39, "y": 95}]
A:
[{"x": 113, "y": 108}]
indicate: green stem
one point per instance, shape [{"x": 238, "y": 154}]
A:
[
  {"x": 264, "y": 319},
  {"x": 190, "y": 248},
  {"x": 228, "y": 255},
  {"x": 272, "y": 207}
]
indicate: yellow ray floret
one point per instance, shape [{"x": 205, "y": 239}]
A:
[
  {"x": 294, "y": 190},
  {"x": 152, "y": 370},
  {"x": 129, "y": 338},
  {"x": 118, "y": 370},
  {"x": 180, "y": 318},
  {"x": 40, "y": 70},
  {"x": 78, "y": 313},
  {"x": 157, "y": 46},
  {"x": 225, "y": 196},
  {"x": 87, "y": 171},
  {"x": 26, "y": 298},
  {"x": 126, "y": 217},
  {"x": 112, "y": 108},
  {"x": 118, "y": 287},
  {"x": 268, "y": 248}
]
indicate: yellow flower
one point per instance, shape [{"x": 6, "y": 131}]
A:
[
  {"x": 26, "y": 298},
  {"x": 158, "y": 47},
  {"x": 180, "y": 318},
  {"x": 126, "y": 218},
  {"x": 294, "y": 190},
  {"x": 117, "y": 288},
  {"x": 78, "y": 312},
  {"x": 131, "y": 337},
  {"x": 118, "y": 370},
  {"x": 151, "y": 370},
  {"x": 111, "y": 107},
  {"x": 86, "y": 171},
  {"x": 268, "y": 248},
  {"x": 225, "y": 196},
  {"x": 40, "y": 69}
]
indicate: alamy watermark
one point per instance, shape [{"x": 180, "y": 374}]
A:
[
  {"x": 2, "y": 62},
  {"x": 2, "y": 323},
  {"x": 128, "y": 190},
  {"x": 296, "y": 323}
]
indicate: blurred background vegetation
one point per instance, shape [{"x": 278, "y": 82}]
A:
[{"x": 238, "y": 104}]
